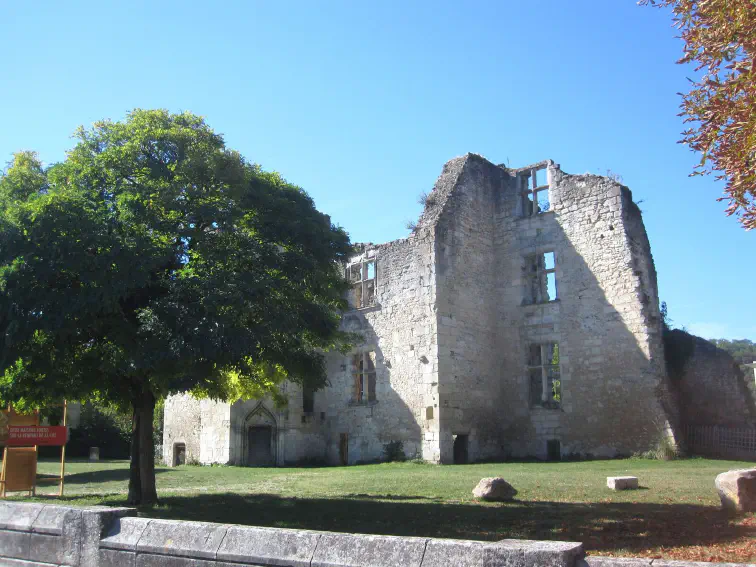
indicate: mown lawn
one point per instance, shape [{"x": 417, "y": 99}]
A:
[{"x": 675, "y": 514}]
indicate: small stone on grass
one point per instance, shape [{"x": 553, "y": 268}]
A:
[{"x": 622, "y": 482}]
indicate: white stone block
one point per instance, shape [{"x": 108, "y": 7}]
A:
[{"x": 622, "y": 482}]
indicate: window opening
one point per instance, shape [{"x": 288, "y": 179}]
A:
[
  {"x": 544, "y": 375},
  {"x": 362, "y": 277},
  {"x": 534, "y": 188},
  {"x": 308, "y": 399},
  {"x": 541, "y": 278},
  {"x": 363, "y": 372}
]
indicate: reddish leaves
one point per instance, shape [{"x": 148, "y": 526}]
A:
[{"x": 720, "y": 39}]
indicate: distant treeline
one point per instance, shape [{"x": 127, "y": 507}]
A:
[{"x": 742, "y": 350}]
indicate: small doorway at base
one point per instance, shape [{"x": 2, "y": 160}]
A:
[
  {"x": 259, "y": 441},
  {"x": 179, "y": 454},
  {"x": 344, "y": 449},
  {"x": 553, "y": 450},
  {"x": 460, "y": 449}
]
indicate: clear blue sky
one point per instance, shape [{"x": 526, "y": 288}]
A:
[{"x": 361, "y": 103}]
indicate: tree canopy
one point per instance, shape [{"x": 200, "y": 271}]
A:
[
  {"x": 154, "y": 260},
  {"x": 742, "y": 350},
  {"x": 720, "y": 39}
]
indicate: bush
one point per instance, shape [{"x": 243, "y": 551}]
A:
[
  {"x": 665, "y": 450},
  {"x": 102, "y": 427},
  {"x": 394, "y": 452}
]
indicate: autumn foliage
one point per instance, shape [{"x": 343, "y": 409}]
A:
[{"x": 720, "y": 40}]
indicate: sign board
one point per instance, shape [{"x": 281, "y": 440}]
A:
[
  {"x": 20, "y": 468},
  {"x": 29, "y": 435},
  {"x": 9, "y": 418},
  {"x": 21, "y": 435}
]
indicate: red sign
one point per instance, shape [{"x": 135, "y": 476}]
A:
[{"x": 30, "y": 435}]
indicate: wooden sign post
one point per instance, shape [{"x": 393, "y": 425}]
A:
[{"x": 22, "y": 435}]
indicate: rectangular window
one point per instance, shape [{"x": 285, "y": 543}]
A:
[
  {"x": 363, "y": 373},
  {"x": 534, "y": 188},
  {"x": 543, "y": 373},
  {"x": 541, "y": 278},
  {"x": 362, "y": 277}
]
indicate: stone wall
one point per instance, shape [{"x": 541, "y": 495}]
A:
[
  {"x": 46, "y": 535},
  {"x": 400, "y": 329},
  {"x": 181, "y": 425},
  {"x": 712, "y": 388},
  {"x": 43, "y": 535},
  {"x": 39, "y": 535},
  {"x": 451, "y": 327},
  {"x": 605, "y": 319},
  {"x": 467, "y": 278}
]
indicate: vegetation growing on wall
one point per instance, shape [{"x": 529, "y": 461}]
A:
[{"x": 394, "y": 452}]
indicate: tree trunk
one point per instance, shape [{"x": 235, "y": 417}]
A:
[
  {"x": 142, "y": 488},
  {"x": 147, "y": 450},
  {"x": 135, "y": 484}
]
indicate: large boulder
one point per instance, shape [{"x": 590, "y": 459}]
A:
[
  {"x": 622, "y": 482},
  {"x": 494, "y": 489},
  {"x": 737, "y": 490}
]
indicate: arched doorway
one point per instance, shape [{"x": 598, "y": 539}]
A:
[{"x": 260, "y": 435}]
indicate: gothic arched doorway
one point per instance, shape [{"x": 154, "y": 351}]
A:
[{"x": 260, "y": 438}]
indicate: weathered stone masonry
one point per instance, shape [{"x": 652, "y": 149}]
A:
[
  {"x": 39, "y": 535},
  {"x": 520, "y": 318}
]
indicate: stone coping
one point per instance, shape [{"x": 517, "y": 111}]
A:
[
  {"x": 52, "y": 535},
  {"x": 221, "y": 544}
]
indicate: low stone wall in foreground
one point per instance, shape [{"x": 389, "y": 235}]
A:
[{"x": 46, "y": 535}]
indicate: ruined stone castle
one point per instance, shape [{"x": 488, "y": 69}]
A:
[{"x": 520, "y": 318}]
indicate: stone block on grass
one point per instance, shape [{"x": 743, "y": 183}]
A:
[{"x": 622, "y": 482}]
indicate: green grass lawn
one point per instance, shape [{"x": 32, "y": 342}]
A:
[{"x": 675, "y": 514}]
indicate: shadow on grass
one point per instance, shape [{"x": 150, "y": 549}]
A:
[
  {"x": 602, "y": 527},
  {"x": 386, "y": 497},
  {"x": 88, "y": 477}
]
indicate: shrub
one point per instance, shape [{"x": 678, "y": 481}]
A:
[
  {"x": 394, "y": 452},
  {"x": 665, "y": 450},
  {"x": 427, "y": 199},
  {"x": 104, "y": 427}
]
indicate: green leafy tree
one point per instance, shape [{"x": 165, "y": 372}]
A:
[
  {"x": 720, "y": 39},
  {"x": 155, "y": 260},
  {"x": 742, "y": 350}
]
